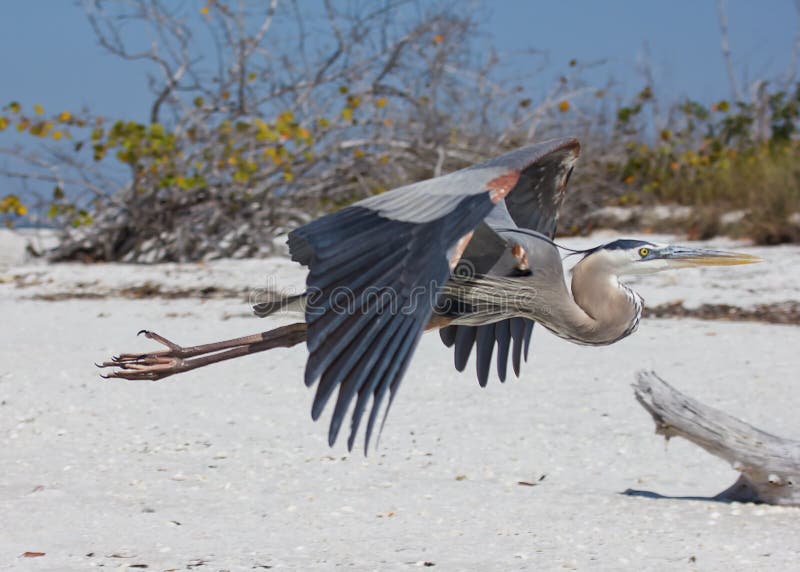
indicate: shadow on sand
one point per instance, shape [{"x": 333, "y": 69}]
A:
[{"x": 658, "y": 496}]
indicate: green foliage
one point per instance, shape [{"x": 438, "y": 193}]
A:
[
  {"x": 233, "y": 155},
  {"x": 11, "y": 208},
  {"x": 236, "y": 153},
  {"x": 720, "y": 158}
]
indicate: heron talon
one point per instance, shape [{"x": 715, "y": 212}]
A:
[{"x": 146, "y": 366}]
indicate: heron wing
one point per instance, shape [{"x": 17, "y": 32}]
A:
[
  {"x": 375, "y": 270},
  {"x": 533, "y": 203},
  {"x": 372, "y": 284},
  {"x": 536, "y": 200}
]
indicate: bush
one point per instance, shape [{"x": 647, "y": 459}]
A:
[
  {"x": 721, "y": 159},
  {"x": 274, "y": 133}
]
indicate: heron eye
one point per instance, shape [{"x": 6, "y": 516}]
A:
[{"x": 644, "y": 251}]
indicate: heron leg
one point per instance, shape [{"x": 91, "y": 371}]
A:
[{"x": 177, "y": 359}]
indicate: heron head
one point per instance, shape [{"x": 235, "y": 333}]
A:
[{"x": 628, "y": 256}]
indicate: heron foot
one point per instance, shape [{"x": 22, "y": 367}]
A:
[
  {"x": 160, "y": 339},
  {"x": 153, "y": 366},
  {"x": 150, "y": 366}
]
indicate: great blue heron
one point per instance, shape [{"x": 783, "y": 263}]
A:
[{"x": 470, "y": 253}]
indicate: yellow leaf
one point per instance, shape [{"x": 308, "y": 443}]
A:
[
  {"x": 38, "y": 109},
  {"x": 204, "y": 10},
  {"x": 288, "y": 176},
  {"x": 64, "y": 116},
  {"x": 57, "y": 135},
  {"x": 563, "y": 106},
  {"x": 358, "y": 153},
  {"x": 3, "y": 123},
  {"x": 380, "y": 102},
  {"x": 438, "y": 38},
  {"x": 232, "y": 160},
  {"x": 14, "y": 107},
  {"x": 272, "y": 153},
  {"x": 22, "y": 210},
  {"x": 156, "y": 130},
  {"x": 347, "y": 114}
]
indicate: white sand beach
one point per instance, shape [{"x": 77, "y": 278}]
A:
[{"x": 223, "y": 469}]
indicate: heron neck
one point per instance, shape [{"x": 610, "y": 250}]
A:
[{"x": 602, "y": 309}]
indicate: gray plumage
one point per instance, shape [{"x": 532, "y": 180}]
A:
[
  {"x": 471, "y": 254},
  {"x": 403, "y": 243}
]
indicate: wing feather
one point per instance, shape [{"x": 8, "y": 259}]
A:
[
  {"x": 352, "y": 263},
  {"x": 367, "y": 388},
  {"x": 402, "y": 242},
  {"x": 533, "y": 203},
  {"x": 502, "y": 333},
  {"x": 518, "y": 336},
  {"x": 465, "y": 338},
  {"x": 484, "y": 347}
]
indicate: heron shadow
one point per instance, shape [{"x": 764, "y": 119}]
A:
[{"x": 659, "y": 496}]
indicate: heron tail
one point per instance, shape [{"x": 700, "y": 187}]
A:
[{"x": 277, "y": 303}]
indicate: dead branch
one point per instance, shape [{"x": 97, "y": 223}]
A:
[
  {"x": 726, "y": 50},
  {"x": 769, "y": 465},
  {"x": 388, "y": 94}
]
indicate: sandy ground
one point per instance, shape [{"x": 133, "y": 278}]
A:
[{"x": 222, "y": 469}]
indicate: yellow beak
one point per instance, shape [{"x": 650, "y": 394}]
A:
[{"x": 704, "y": 257}]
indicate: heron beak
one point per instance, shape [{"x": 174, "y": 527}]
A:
[{"x": 686, "y": 256}]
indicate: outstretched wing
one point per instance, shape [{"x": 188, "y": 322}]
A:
[
  {"x": 375, "y": 270},
  {"x": 534, "y": 204}
]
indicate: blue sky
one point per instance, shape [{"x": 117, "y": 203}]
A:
[
  {"x": 681, "y": 36},
  {"x": 48, "y": 53}
]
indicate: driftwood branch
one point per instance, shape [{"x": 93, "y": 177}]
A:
[
  {"x": 769, "y": 465},
  {"x": 726, "y": 50}
]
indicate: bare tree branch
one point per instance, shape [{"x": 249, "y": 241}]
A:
[
  {"x": 769, "y": 466},
  {"x": 726, "y": 51}
]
